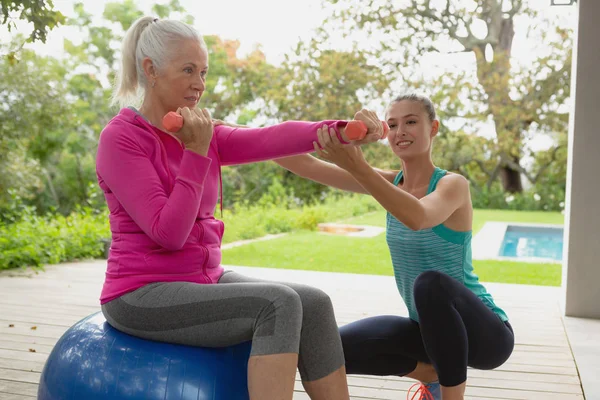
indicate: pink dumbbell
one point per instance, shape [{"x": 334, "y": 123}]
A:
[
  {"x": 172, "y": 121},
  {"x": 357, "y": 130}
]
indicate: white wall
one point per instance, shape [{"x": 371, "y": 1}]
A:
[{"x": 581, "y": 271}]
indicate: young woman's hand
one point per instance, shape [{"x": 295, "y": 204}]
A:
[
  {"x": 373, "y": 124},
  {"x": 329, "y": 148}
]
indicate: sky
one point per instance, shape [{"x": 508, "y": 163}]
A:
[
  {"x": 275, "y": 24},
  {"x": 278, "y": 25}
]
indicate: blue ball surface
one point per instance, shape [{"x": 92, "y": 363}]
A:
[{"x": 94, "y": 361}]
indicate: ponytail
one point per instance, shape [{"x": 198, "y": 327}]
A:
[{"x": 127, "y": 84}]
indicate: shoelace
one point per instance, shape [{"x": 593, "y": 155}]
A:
[{"x": 422, "y": 390}]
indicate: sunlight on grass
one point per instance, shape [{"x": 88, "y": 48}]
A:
[{"x": 315, "y": 251}]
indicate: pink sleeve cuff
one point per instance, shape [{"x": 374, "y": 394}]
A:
[
  {"x": 194, "y": 167},
  {"x": 337, "y": 125}
]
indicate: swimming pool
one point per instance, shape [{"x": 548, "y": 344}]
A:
[{"x": 532, "y": 242}]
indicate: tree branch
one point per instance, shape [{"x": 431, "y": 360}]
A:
[
  {"x": 464, "y": 173},
  {"x": 482, "y": 167},
  {"x": 446, "y": 20},
  {"x": 516, "y": 167},
  {"x": 517, "y": 5},
  {"x": 494, "y": 174},
  {"x": 537, "y": 98},
  {"x": 544, "y": 167}
]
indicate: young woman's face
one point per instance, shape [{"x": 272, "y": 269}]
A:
[
  {"x": 411, "y": 131},
  {"x": 182, "y": 81}
]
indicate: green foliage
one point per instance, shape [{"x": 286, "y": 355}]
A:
[
  {"x": 335, "y": 84},
  {"x": 550, "y": 198},
  {"x": 233, "y": 82},
  {"x": 248, "y": 182},
  {"x": 313, "y": 83},
  {"x": 520, "y": 100},
  {"x": 35, "y": 240},
  {"x": 247, "y": 221},
  {"x": 48, "y": 132},
  {"x": 40, "y": 13},
  {"x": 31, "y": 123},
  {"x": 29, "y": 239},
  {"x": 54, "y": 110}
]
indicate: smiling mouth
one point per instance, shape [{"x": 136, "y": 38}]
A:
[
  {"x": 404, "y": 143},
  {"x": 192, "y": 98}
]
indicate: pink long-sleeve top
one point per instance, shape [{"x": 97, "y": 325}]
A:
[{"x": 162, "y": 197}]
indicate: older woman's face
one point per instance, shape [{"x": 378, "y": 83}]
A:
[{"x": 182, "y": 81}]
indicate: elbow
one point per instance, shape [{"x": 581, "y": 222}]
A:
[
  {"x": 416, "y": 222},
  {"x": 170, "y": 233},
  {"x": 171, "y": 245},
  {"x": 169, "y": 242},
  {"x": 413, "y": 225}
]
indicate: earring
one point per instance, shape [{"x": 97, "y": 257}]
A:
[{"x": 153, "y": 83}]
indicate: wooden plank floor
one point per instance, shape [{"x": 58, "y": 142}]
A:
[{"x": 35, "y": 310}]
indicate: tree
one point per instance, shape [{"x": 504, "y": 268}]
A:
[
  {"x": 54, "y": 111},
  {"x": 318, "y": 83},
  {"x": 40, "y": 13},
  {"x": 33, "y": 117},
  {"x": 233, "y": 82},
  {"x": 313, "y": 83},
  {"x": 519, "y": 101},
  {"x": 56, "y": 108}
]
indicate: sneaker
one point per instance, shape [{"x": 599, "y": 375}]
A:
[{"x": 425, "y": 391}]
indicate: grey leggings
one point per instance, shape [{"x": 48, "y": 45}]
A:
[{"x": 277, "y": 317}]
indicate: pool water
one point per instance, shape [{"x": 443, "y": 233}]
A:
[{"x": 539, "y": 242}]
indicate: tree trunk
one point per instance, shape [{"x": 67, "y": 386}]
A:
[
  {"x": 82, "y": 183},
  {"x": 511, "y": 180},
  {"x": 494, "y": 77},
  {"x": 51, "y": 187}
]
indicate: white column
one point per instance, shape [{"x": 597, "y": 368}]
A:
[{"x": 581, "y": 267}]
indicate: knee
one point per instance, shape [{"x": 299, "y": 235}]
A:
[
  {"x": 428, "y": 281},
  {"x": 287, "y": 300},
  {"x": 281, "y": 307},
  {"x": 314, "y": 299},
  {"x": 428, "y": 287},
  {"x": 278, "y": 323}
]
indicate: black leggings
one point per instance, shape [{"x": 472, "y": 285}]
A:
[{"x": 455, "y": 330}]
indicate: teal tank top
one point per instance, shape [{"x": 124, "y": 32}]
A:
[{"x": 438, "y": 248}]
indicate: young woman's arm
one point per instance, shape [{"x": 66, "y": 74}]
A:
[
  {"x": 309, "y": 167},
  {"x": 452, "y": 192}
]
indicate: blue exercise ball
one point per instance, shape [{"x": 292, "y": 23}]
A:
[{"x": 93, "y": 361}]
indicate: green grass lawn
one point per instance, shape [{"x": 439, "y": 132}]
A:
[
  {"x": 318, "y": 252},
  {"x": 480, "y": 217}
]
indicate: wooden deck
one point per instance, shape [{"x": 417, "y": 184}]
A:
[{"x": 35, "y": 310}]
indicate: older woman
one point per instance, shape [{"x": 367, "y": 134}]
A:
[{"x": 164, "y": 279}]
